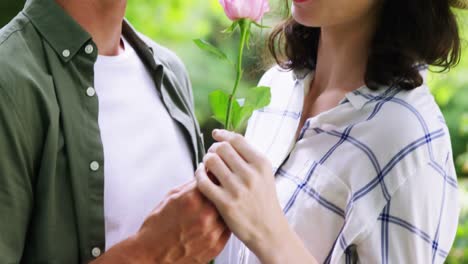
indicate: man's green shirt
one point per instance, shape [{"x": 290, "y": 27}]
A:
[{"x": 51, "y": 197}]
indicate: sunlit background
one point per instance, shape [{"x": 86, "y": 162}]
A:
[{"x": 175, "y": 23}]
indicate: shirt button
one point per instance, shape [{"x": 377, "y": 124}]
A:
[
  {"x": 89, "y": 49},
  {"x": 96, "y": 252},
  {"x": 94, "y": 166},
  {"x": 66, "y": 53},
  {"x": 90, "y": 91}
]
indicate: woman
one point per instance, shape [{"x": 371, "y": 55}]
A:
[{"x": 351, "y": 161}]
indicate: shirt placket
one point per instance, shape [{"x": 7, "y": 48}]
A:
[
  {"x": 244, "y": 253},
  {"x": 299, "y": 85},
  {"x": 95, "y": 155},
  {"x": 74, "y": 84}
]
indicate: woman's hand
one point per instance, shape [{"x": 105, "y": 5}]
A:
[{"x": 246, "y": 197}]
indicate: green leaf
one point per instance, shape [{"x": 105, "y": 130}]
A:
[
  {"x": 240, "y": 115},
  {"x": 247, "y": 40},
  {"x": 259, "y": 25},
  {"x": 206, "y": 46},
  {"x": 231, "y": 29},
  {"x": 258, "y": 97},
  {"x": 219, "y": 100}
]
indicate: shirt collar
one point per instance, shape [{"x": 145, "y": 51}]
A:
[
  {"x": 143, "y": 48},
  {"x": 60, "y": 30},
  {"x": 357, "y": 98},
  {"x": 361, "y": 96}
]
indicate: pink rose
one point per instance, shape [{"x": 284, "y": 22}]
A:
[{"x": 250, "y": 9}]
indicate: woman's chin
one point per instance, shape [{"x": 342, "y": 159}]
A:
[
  {"x": 306, "y": 21},
  {"x": 305, "y": 17}
]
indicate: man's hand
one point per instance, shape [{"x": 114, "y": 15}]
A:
[{"x": 184, "y": 228}]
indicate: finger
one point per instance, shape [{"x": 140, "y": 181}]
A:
[
  {"x": 205, "y": 221},
  {"x": 245, "y": 150},
  {"x": 219, "y": 230},
  {"x": 224, "y": 237},
  {"x": 216, "y": 249},
  {"x": 183, "y": 187},
  {"x": 223, "y": 240},
  {"x": 210, "y": 252},
  {"x": 211, "y": 191},
  {"x": 204, "y": 247},
  {"x": 230, "y": 156},
  {"x": 218, "y": 168}
]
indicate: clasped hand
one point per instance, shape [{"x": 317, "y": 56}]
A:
[{"x": 246, "y": 196}]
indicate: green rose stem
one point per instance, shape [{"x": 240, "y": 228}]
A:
[{"x": 244, "y": 25}]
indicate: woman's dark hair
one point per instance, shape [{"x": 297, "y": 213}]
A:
[{"x": 408, "y": 34}]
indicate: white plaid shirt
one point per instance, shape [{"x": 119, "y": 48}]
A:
[{"x": 369, "y": 181}]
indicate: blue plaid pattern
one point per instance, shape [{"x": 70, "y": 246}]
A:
[{"x": 369, "y": 181}]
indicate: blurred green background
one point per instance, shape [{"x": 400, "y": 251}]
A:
[{"x": 175, "y": 23}]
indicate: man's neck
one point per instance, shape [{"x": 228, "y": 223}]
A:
[
  {"x": 102, "y": 19},
  {"x": 343, "y": 54}
]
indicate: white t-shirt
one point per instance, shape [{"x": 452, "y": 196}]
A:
[
  {"x": 145, "y": 152},
  {"x": 369, "y": 181}
]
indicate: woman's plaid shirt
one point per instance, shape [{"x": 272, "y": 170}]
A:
[{"x": 369, "y": 181}]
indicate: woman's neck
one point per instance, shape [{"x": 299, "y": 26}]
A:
[
  {"x": 102, "y": 19},
  {"x": 342, "y": 55}
]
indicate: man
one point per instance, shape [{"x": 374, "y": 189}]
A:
[{"x": 96, "y": 125}]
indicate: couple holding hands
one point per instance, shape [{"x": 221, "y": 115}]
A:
[{"x": 351, "y": 161}]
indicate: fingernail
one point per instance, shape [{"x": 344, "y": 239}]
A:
[{"x": 215, "y": 132}]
